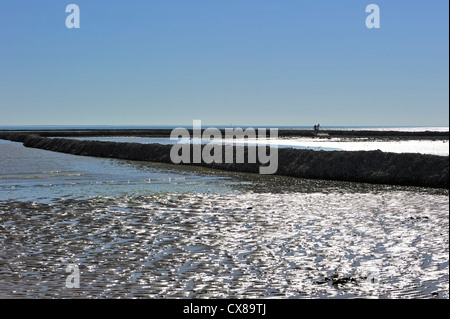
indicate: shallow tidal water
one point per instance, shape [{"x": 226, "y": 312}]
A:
[
  {"x": 431, "y": 147},
  {"x": 142, "y": 230}
]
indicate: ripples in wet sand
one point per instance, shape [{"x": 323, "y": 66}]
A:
[{"x": 250, "y": 245}]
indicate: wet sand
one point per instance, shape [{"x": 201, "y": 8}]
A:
[{"x": 249, "y": 245}]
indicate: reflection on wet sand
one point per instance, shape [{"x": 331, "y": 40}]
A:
[{"x": 246, "y": 245}]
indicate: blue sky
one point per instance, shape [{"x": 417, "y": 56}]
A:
[{"x": 246, "y": 62}]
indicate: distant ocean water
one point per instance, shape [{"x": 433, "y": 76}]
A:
[{"x": 137, "y": 127}]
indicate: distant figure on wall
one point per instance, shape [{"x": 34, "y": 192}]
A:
[{"x": 316, "y": 127}]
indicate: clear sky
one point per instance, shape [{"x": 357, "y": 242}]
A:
[{"x": 240, "y": 62}]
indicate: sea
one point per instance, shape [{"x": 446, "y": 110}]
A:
[
  {"x": 283, "y": 127},
  {"x": 149, "y": 230}
]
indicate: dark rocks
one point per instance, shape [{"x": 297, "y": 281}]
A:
[{"x": 335, "y": 280}]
